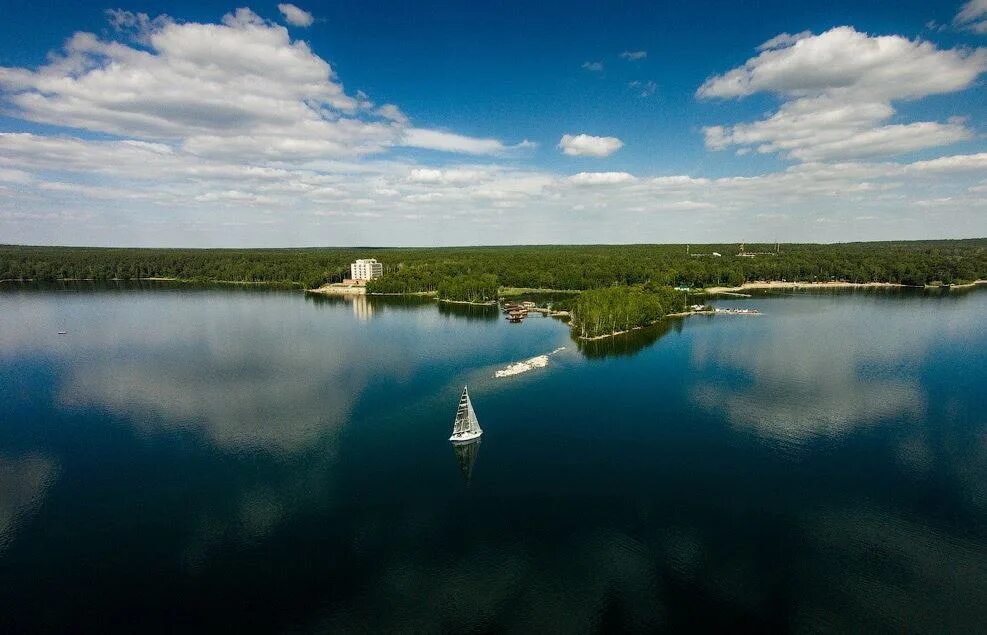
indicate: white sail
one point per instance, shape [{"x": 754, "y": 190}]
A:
[{"x": 466, "y": 427}]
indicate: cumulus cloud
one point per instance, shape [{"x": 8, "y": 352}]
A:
[
  {"x": 242, "y": 87},
  {"x": 448, "y": 176},
  {"x": 595, "y": 67},
  {"x": 451, "y": 142},
  {"x": 208, "y": 198},
  {"x": 144, "y": 182},
  {"x": 838, "y": 88},
  {"x": 634, "y": 55},
  {"x": 973, "y": 16},
  {"x": 584, "y": 145},
  {"x": 232, "y": 132},
  {"x": 846, "y": 62},
  {"x": 242, "y": 82},
  {"x": 295, "y": 16},
  {"x": 601, "y": 178}
]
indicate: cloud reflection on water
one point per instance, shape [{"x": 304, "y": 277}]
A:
[
  {"x": 796, "y": 375},
  {"x": 213, "y": 362}
]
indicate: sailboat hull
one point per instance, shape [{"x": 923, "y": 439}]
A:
[{"x": 466, "y": 437}]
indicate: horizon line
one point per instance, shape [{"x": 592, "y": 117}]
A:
[{"x": 494, "y": 246}]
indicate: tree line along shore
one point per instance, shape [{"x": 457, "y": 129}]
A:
[{"x": 631, "y": 284}]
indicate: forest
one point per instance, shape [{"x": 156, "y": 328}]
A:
[
  {"x": 611, "y": 310},
  {"x": 476, "y": 288},
  {"x": 576, "y": 267}
]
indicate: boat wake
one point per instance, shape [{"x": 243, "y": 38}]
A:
[{"x": 517, "y": 368}]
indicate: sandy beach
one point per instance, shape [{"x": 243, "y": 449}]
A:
[
  {"x": 969, "y": 284},
  {"x": 340, "y": 289},
  {"x": 776, "y": 284}
]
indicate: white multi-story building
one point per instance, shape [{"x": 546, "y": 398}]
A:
[{"x": 366, "y": 269}]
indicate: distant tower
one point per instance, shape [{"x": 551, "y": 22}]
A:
[{"x": 687, "y": 250}]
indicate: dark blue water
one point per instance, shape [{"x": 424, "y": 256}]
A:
[{"x": 232, "y": 459}]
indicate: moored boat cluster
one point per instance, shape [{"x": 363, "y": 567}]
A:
[{"x": 515, "y": 312}]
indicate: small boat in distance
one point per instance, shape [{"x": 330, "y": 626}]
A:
[{"x": 466, "y": 428}]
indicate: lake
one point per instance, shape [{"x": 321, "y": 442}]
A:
[{"x": 225, "y": 458}]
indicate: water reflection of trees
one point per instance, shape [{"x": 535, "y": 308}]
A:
[
  {"x": 629, "y": 343},
  {"x": 471, "y": 312},
  {"x": 365, "y": 306}
]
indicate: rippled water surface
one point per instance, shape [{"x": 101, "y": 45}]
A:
[{"x": 223, "y": 458}]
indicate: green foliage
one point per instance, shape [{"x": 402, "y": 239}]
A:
[
  {"x": 544, "y": 266},
  {"x": 403, "y": 280},
  {"x": 469, "y": 288},
  {"x": 610, "y": 310}
]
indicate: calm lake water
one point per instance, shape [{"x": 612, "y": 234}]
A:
[{"x": 228, "y": 459}]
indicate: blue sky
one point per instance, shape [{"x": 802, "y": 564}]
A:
[{"x": 179, "y": 123}]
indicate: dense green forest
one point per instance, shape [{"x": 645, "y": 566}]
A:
[
  {"x": 544, "y": 266},
  {"x": 475, "y": 288},
  {"x": 610, "y": 310}
]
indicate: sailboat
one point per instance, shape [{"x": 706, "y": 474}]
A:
[{"x": 466, "y": 428}]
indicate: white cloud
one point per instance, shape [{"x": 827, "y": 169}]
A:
[
  {"x": 584, "y": 145},
  {"x": 451, "y": 142},
  {"x": 242, "y": 83},
  {"x": 208, "y": 200},
  {"x": 825, "y": 129},
  {"x": 783, "y": 40},
  {"x": 634, "y": 55},
  {"x": 447, "y": 177},
  {"x": 241, "y": 88},
  {"x": 595, "y": 67},
  {"x": 646, "y": 89},
  {"x": 956, "y": 163},
  {"x": 140, "y": 25},
  {"x": 393, "y": 113},
  {"x": 843, "y": 61},
  {"x": 219, "y": 134},
  {"x": 601, "y": 178},
  {"x": 973, "y": 16},
  {"x": 295, "y": 16},
  {"x": 14, "y": 176},
  {"x": 838, "y": 88}
]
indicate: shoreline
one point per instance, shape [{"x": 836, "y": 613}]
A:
[
  {"x": 777, "y": 284},
  {"x": 268, "y": 283},
  {"x": 487, "y": 303},
  {"x": 338, "y": 289},
  {"x": 681, "y": 314},
  {"x": 965, "y": 285},
  {"x": 510, "y": 292},
  {"x": 549, "y": 312}
]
